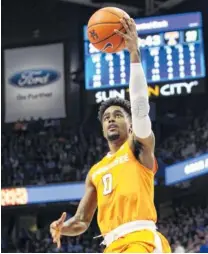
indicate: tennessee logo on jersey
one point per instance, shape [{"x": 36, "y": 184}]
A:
[
  {"x": 118, "y": 161},
  {"x": 125, "y": 189}
]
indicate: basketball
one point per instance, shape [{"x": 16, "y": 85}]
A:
[{"x": 101, "y": 27}]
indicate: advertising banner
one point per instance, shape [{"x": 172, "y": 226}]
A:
[
  {"x": 34, "y": 82},
  {"x": 186, "y": 170},
  {"x": 42, "y": 194}
]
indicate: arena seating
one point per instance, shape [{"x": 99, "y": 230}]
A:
[
  {"x": 186, "y": 230},
  {"x": 41, "y": 152}
]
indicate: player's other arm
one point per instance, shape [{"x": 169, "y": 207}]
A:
[{"x": 80, "y": 222}]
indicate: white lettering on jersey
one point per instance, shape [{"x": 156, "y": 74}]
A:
[{"x": 119, "y": 160}]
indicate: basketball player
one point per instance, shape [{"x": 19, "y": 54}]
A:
[{"x": 121, "y": 185}]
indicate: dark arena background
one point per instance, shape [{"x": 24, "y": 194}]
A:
[{"x": 50, "y": 133}]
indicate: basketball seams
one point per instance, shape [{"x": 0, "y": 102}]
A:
[
  {"x": 112, "y": 13},
  {"x": 105, "y": 23},
  {"x": 108, "y": 36},
  {"x": 122, "y": 40}
]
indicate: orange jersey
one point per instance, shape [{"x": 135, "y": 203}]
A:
[{"x": 125, "y": 189}]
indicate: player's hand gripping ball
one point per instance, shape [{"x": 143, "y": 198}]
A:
[{"x": 101, "y": 29}]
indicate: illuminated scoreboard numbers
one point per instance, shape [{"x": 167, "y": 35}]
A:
[
  {"x": 92, "y": 49},
  {"x": 172, "y": 38},
  {"x": 157, "y": 40},
  {"x": 150, "y": 40},
  {"x": 181, "y": 60},
  {"x": 97, "y": 76},
  {"x": 170, "y": 62},
  {"x": 109, "y": 60},
  {"x": 152, "y": 43},
  {"x": 170, "y": 53},
  {"x": 191, "y": 37},
  {"x": 154, "y": 53},
  {"x": 122, "y": 67},
  {"x": 192, "y": 59}
]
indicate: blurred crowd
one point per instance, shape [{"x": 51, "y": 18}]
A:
[
  {"x": 40, "y": 242},
  {"x": 50, "y": 151},
  {"x": 186, "y": 230},
  {"x": 189, "y": 142},
  {"x": 40, "y": 152}
]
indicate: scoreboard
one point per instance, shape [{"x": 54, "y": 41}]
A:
[{"x": 171, "y": 49}]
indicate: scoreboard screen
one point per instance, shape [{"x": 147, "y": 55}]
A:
[{"x": 171, "y": 49}]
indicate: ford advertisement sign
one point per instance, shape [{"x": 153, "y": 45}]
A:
[
  {"x": 186, "y": 170},
  {"x": 34, "y": 82},
  {"x": 34, "y": 78}
]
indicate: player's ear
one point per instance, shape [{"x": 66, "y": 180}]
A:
[{"x": 103, "y": 132}]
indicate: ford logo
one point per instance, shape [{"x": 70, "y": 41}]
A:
[{"x": 34, "y": 78}]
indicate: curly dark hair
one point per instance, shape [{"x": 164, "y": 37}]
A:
[{"x": 125, "y": 104}]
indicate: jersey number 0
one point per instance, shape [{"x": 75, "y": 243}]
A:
[{"x": 108, "y": 184}]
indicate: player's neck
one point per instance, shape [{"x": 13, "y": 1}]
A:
[{"x": 114, "y": 146}]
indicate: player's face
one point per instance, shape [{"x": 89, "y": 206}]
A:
[{"x": 116, "y": 123}]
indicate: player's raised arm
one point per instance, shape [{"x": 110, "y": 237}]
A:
[
  {"x": 80, "y": 222},
  {"x": 138, "y": 89}
]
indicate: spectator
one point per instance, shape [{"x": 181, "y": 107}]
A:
[
  {"x": 179, "y": 248},
  {"x": 47, "y": 152},
  {"x": 204, "y": 246},
  {"x": 181, "y": 225}
]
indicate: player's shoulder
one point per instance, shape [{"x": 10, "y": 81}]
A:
[{"x": 97, "y": 165}]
